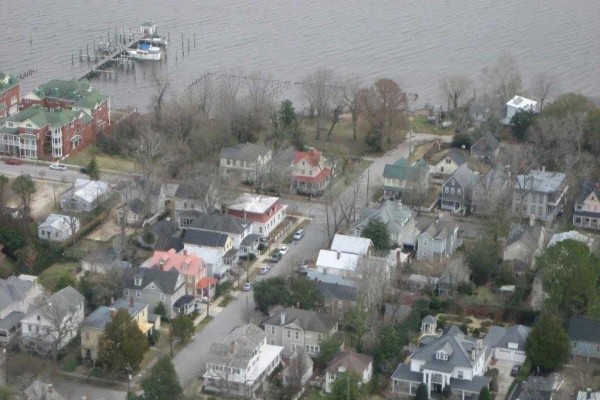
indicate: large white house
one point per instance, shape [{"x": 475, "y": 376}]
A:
[
  {"x": 334, "y": 267},
  {"x": 239, "y": 365},
  {"x": 265, "y": 212},
  {"x": 17, "y": 297},
  {"x": 519, "y": 103}
]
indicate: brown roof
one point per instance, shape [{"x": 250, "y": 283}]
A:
[{"x": 351, "y": 361}]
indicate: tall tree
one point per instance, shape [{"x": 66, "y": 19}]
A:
[
  {"x": 482, "y": 259},
  {"x": 503, "y": 80},
  {"x": 24, "y": 188},
  {"x": 321, "y": 93},
  {"x": 455, "y": 88},
  {"x": 348, "y": 386},
  {"x": 183, "y": 328},
  {"x": 542, "y": 87},
  {"x": 286, "y": 117},
  {"x": 521, "y": 122},
  {"x": 270, "y": 292},
  {"x": 305, "y": 294},
  {"x": 162, "y": 382},
  {"x": 3, "y": 192},
  {"x": 328, "y": 349},
  {"x": 382, "y": 106},
  {"x": 548, "y": 333},
  {"x": 350, "y": 91},
  {"x": 122, "y": 345},
  {"x": 378, "y": 232},
  {"x": 93, "y": 170}
]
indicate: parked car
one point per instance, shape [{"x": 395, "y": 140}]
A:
[
  {"x": 13, "y": 161},
  {"x": 58, "y": 167},
  {"x": 83, "y": 170},
  {"x": 247, "y": 287},
  {"x": 299, "y": 234},
  {"x": 264, "y": 269},
  {"x": 515, "y": 370},
  {"x": 275, "y": 257},
  {"x": 283, "y": 250}
]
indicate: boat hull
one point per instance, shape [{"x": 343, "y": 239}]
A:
[{"x": 142, "y": 55}]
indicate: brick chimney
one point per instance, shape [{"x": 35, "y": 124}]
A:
[
  {"x": 282, "y": 318},
  {"x": 339, "y": 255},
  {"x": 113, "y": 312}
]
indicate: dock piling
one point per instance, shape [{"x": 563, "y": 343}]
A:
[{"x": 194, "y": 39}]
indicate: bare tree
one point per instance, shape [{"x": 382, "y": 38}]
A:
[
  {"x": 542, "y": 87},
  {"x": 161, "y": 85},
  {"x": 340, "y": 207},
  {"x": 350, "y": 90},
  {"x": 455, "y": 88},
  {"x": 294, "y": 372},
  {"x": 261, "y": 93},
  {"x": 503, "y": 80},
  {"x": 208, "y": 186},
  {"x": 321, "y": 93},
  {"x": 374, "y": 281}
]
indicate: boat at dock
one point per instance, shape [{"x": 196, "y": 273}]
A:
[{"x": 146, "y": 51}]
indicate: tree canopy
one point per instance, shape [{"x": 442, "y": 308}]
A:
[
  {"x": 422, "y": 393},
  {"x": 548, "y": 333},
  {"x": 295, "y": 292},
  {"x": 23, "y": 186},
  {"x": 484, "y": 394},
  {"x": 183, "y": 328},
  {"x": 378, "y": 232},
  {"x": 482, "y": 259},
  {"x": 93, "y": 170},
  {"x": 570, "y": 277},
  {"x": 328, "y": 349},
  {"x": 520, "y": 123},
  {"x": 122, "y": 345},
  {"x": 162, "y": 382},
  {"x": 347, "y": 386}
]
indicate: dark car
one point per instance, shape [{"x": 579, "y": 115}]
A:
[
  {"x": 275, "y": 257},
  {"x": 83, "y": 170},
  {"x": 515, "y": 370},
  {"x": 13, "y": 161}
]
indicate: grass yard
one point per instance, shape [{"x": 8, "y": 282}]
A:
[
  {"x": 104, "y": 161},
  {"x": 51, "y": 275},
  {"x": 420, "y": 125},
  {"x": 419, "y": 151}
]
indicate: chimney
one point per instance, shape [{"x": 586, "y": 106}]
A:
[
  {"x": 282, "y": 318},
  {"x": 479, "y": 344},
  {"x": 131, "y": 301},
  {"x": 232, "y": 348},
  {"x": 531, "y": 219},
  {"x": 339, "y": 255},
  {"x": 113, "y": 312},
  {"x": 184, "y": 252},
  {"x": 473, "y": 354}
]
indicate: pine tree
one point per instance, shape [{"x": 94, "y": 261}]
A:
[
  {"x": 162, "y": 383},
  {"x": 93, "y": 171},
  {"x": 484, "y": 394},
  {"x": 183, "y": 328},
  {"x": 122, "y": 345},
  {"x": 422, "y": 393},
  {"x": 548, "y": 333}
]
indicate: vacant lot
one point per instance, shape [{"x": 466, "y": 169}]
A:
[
  {"x": 46, "y": 197},
  {"x": 114, "y": 163}
]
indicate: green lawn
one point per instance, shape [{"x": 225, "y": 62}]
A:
[
  {"x": 115, "y": 163},
  {"x": 51, "y": 275}
]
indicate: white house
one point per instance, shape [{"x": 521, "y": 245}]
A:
[
  {"x": 54, "y": 323},
  {"x": 212, "y": 258},
  {"x": 447, "y": 161},
  {"x": 240, "y": 364},
  {"x": 58, "y": 228},
  {"x": 519, "y": 103},
  {"x": 17, "y": 297},
  {"x": 351, "y": 244},
  {"x": 507, "y": 344},
  {"x": 343, "y": 361},
  {"x": 334, "y": 267},
  {"x": 265, "y": 212},
  {"x": 84, "y": 196}
]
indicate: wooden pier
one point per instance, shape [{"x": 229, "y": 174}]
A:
[{"x": 110, "y": 60}]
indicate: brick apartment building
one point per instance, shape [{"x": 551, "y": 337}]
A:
[{"x": 9, "y": 95}]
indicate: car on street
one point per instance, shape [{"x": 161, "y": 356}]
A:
[
  {"x": 247, "y": 287},
  {"x": 13, "y": 161},
  {"x": 58, "y": 167},
  {"x": 83, "y": 170},
  {"x": 515, "y": 370},
  {"x": 264, "y": 269},
  {"x": 283, "y": 250},
  {"x": 299, "y": 234},
  {"x": 275, "y": 257}
]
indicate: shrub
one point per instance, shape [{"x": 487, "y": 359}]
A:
[
  {"x": 468, "y": 320},
  {"x": 465, "y": 288},
  {"x": 70, "y": 365}
]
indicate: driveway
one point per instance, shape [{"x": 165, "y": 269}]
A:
[{"x": 504, "y": 378}]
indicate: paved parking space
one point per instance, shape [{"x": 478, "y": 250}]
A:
[{"x": 504, "y": 378}]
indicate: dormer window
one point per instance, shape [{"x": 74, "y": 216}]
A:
[
  {"x": 441, "y": 355},
  {"x": 137, "y": 281}
]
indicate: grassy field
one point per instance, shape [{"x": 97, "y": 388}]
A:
[
  {"x": 421, "y": 125},
  {"x": 104, "y": 161},
  {"x": 51, "y": 275}
]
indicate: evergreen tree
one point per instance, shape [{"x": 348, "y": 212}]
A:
[
  {"x": 422, "y": 392},
  {"x": 162, "y": 383},
  {"x": 548, "y": 345},
  {"x": 287, "y": 115},
  {"x": 122, "y": 345},
  {"x": 6, "y": 393},
  {"x": 347, "y": 386},
  {"x": 183, "y": 328},
  {"x": 447, "y": 392},
  {"x": 484, "y": 394},
  {"x": 378, "y": 232},
  {"x": 93, "y": 170},
  {"x": 24, "y": 187},
  {"x": 161, "y": 310}
]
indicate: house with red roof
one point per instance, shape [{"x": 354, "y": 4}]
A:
[
  {"x": 311, "y": 173},
  {"x": 265, "y": 212},
  {"x": 189, "y": 265}
]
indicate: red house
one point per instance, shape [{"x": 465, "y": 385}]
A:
[
  {"x": 310, "y": 173},
  {"x": 9, "y": 95},
  {"x": 265, "y": 212}
]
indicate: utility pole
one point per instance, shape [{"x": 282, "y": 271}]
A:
[
  {"x": 170, "y": 340},
  {"x": 368, "y": 182},
  {"x": 409, "y": 144}
]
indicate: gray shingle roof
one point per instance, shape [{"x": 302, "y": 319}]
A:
[
  {"x": 540, "y": 181},
  {"x": 11, "y": 320},
  {"x": 102, "y": 315},
  {"x": 13, "y": 289},
  {"x": 464, "y": 176},
  {"x": 204, "y": 238},
  {"x": 220, "y": 223},
  {"x": 460, "y": 346},
  {"x": 528, "y": 235},
  {"x": 244, "y": 151},
  {"x": 454, "y": 154},
  {"x": 500, "y": 337},
  {"x": 338, "y": 292},
  {"x": 486, "y": 144},
  {"x": 582, "y": 329},
  {"x": 166, "y": 281},
  {"x": 351, "y": 361},
  {"x": 311, "y": 321},
  {"x": 237, "y": 348},
  {"x": 395, "y": 216}
]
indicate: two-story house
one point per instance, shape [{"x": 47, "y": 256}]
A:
[
  {"x": 92, "y": 327},
  {"x": 447, "y": 161},
  {"x": 456, "y": 190},
  {"x": 539, "y": 193},
  {"x": 437, "y": 240},
  {"x": 338, "y": 300},
  {"x": 247, "y": 161},
  {"x": 10, "y": 95},
  {"x": 523, "y": 245},
  {"x": 401, "y": 178},
  {"x": 345, "y": 361},
  {"x": 184, "y": 198},
  {"x": 297, "y": 329},
  {"x": 311, "y": 173},
  {"x": 265, "y": 212},
  {"x": 452, "y": 359},
  {"x": 584, "y": 333},
  {"x": 54, "y": 323},
  {"x": 490, "y": 192},
  {"x": 154, "y": 285},
  {"x": 194, "y": 238},
  {"x": 18, "y": 296},
  {"x": 334, "y": 267},
  {"x": 241, "y": 363},
  {"x": 587, "y": 208},
  {"x": 190, "y": 266},
  {"x": 398, "y": 218},
  {"x": 486, "y": 148}
]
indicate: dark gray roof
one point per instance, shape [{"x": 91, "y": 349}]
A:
[
  {"x": 136, "y": 206},
  {"x": 249, "y": 239},
  {"x": 204, "y": 238},
  {"x": 102, "y": 315},
  {"x": 582, "y": 329},
  {"x": 350, "y": 360},
  {"x": 486, "y": 144},
  {"x": 528, "y": 235},
  {"x": 166, "y": 281},
  {"x": 64, "y": 302},
  {"x": 535, "y": 388},
  {"x": 183, "y": 300},
  {"x": 220, "y": 223},
  {"x": 166, "y": 233},
  {"x": 464, "y": 176},
  {"x": 452, "y": 342},
  {"x": 338, "y": 292},
  {"x": 244, "y": 151},
  {"x": 311, "y": 321},
  {"x": 454, "y": 154},
  {"x": 186, "y": 190},
  {"x": 11, "y": 320},
  {"x": 429, "y": 319},
  {"x": 501, "y": 337},
  {"x": 13, "y": 289},
  {"x": 474, "y": 386},
  {"x": 237, "y": 349},
  {"x": 404, "y": 373}
]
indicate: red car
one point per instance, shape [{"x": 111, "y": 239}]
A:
[{"x": 13, "y": 161}]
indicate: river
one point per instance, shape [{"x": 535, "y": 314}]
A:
[{"x": 416, "y": 42}]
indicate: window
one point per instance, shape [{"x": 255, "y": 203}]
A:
[
  {"x": 441, "y": 169},
  {"x": 87, "y": 336},
  {"x": 458, "y": 191},
  {"x": 288, "y": 334},
  {"x": 448, "y": 161},
  {"x": 460, "y": 375},
  {"x": 273, "y": 330},
  {"x": 425, "y": 242},
  {"x": 138, "y": 293},
  {"x": 445, "y": 189},
  {"x": 153, "y": 286},
  {"x": 297, "y": 335},
  {"x": 451, "y": 190},
  {"x": 319, "y": 336},
  {"x": 162, "y": 297}
]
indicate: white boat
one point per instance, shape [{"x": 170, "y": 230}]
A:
[{"x": 145, "y": 51}]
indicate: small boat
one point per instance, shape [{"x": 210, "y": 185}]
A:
[{"x": 145, "y": 51}]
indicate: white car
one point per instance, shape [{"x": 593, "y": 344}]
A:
[
  {"x": 299, "y": 234},
  {"x": 264, "y": 269},
  {"x": 58, "y": 167},
  {"x": 283, "y": 250},
  {"x": 247, "y": 287}
]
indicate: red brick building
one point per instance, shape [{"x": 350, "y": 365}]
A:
[
  {"x": 265, "y": 212},
  {"x": 9, "y": 95}
]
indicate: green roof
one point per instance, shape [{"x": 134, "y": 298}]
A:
[
  {"x": 56, "y": 118},
  {"x": 401, "y": 170},
  {"x": 10, "y": 131},
  {"x": 93, "y": 98},
  {"x": 12, "y": 81},
  {"x": 34, "y": 114},
  {"x": 28, "y": 136},
  {"x": 80, "y": 92}
]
